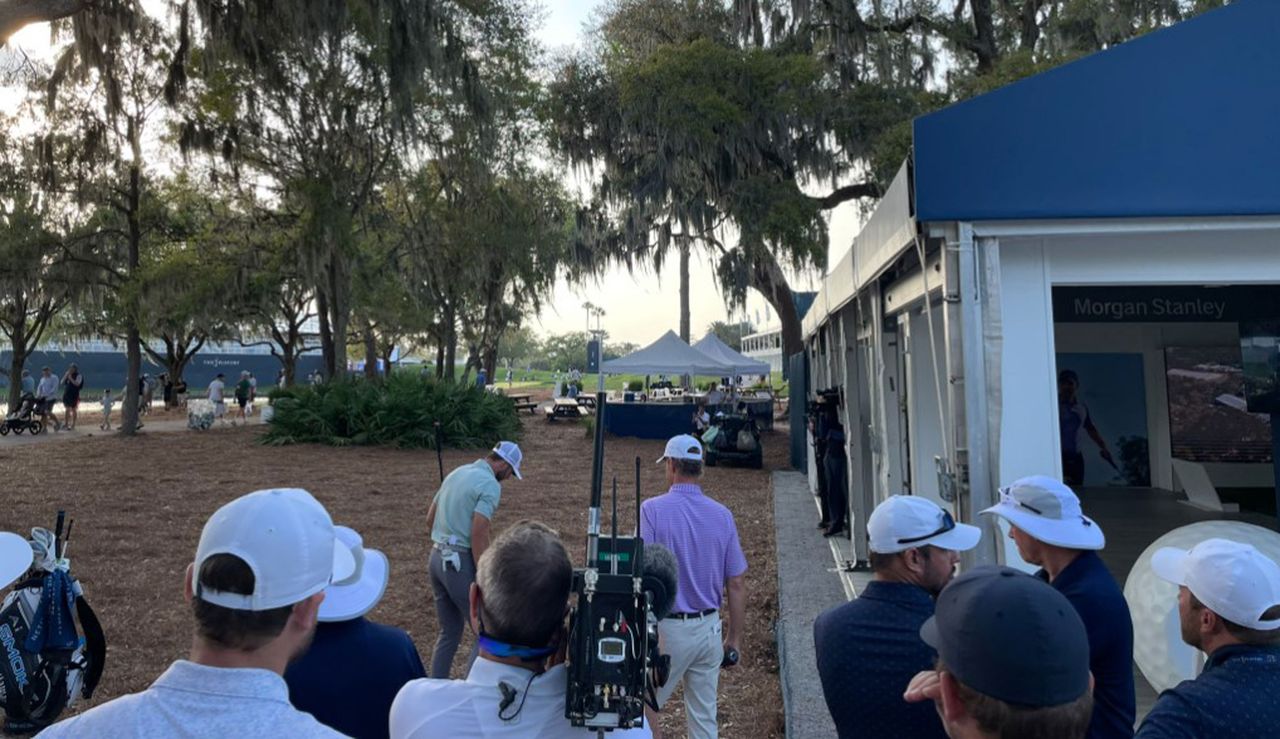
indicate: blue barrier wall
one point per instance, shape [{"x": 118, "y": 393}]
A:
[{"x": 108, "y": 369}]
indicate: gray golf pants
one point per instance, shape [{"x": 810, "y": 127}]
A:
[{"x": 453, "y": 609}]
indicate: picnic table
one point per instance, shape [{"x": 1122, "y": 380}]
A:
[
  {"x": 566, "y": 408},
  {"x": 523, "y": 401}
]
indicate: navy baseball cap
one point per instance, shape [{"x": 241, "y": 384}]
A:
[{"x": 1012, "y": 637}]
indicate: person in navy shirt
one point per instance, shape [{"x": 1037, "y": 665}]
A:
[
  {"x": 1051, "y": 531},
  {"x": 869, "y": 649},
  {"x": 351, "y": 674},
  {"x": 1229, "y": 608}
]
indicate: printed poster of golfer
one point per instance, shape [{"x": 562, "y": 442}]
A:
[
  {"x": 1208, "y": 418},
  {"x": 1102, "y": 420}
]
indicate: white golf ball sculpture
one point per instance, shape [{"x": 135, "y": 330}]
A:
[
  {"x": 1166, "y": 660},
  {"x": 200, "y": 415}
]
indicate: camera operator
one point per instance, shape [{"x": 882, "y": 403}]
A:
[
  {"x": 517, "y": 686},
  {"x": 704, "y": 538}
]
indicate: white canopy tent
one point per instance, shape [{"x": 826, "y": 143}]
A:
[
  {"x": 668, "y": 355},
  {"x": 713, "y": 347}
]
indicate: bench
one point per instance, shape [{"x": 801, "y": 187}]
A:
[{"x": 528, "y": 405}]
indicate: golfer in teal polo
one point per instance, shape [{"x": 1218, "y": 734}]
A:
[{"x": 459, "y": 522}]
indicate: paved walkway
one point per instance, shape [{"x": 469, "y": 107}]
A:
[
  {"x": 807, "y": 586},
  {"x": 88, "y": 427}
]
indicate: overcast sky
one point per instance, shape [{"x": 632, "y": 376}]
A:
[{"x": 639, "y": 307}]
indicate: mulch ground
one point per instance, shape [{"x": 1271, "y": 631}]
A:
[{"x": 139, "y": 505}]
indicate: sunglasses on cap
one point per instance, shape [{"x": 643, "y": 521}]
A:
[{"x": 948, "y": 523}]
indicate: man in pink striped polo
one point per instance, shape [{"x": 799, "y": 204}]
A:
[{"x": 702, "y": 534}]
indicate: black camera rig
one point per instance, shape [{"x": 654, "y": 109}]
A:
[{"x": 613, "y": 661}]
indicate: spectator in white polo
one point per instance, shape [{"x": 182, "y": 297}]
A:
[
  {"x": 703, "y": 536},
  {"x": 517, "y": 686},
  {"x": 1228, "y": 608},
  {"x": 255, "y": 590}
]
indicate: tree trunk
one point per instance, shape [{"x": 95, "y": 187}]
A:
[
  {"x": 386, "y": 361},
  {"x": 370, "y": 351},
  {"x": 338, "y": 312},
  {"x": 17, "y": 359},
  {"x": 326, "y": 331},
  {"x": 439, "y": 358},
  {"x": 984, "y": 24},
  {"x": 133, "y": 338},
  {"x": 767, "y": 278},
  {"x": 451, "y": 346},
  {"x": 684, "y": 293}
]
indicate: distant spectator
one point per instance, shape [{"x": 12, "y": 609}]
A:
[
  {"x": 482, "y": 379},
  {"x": 47, "y": 395},
  {"x": 1228, "y": 608},
  {"x": 351, "y": 673},
  {"x": 316, "y": 378},
  {"x": 1013, "y": 660},
  {"x": 28, "y": 383},
  {"x": 166, "y": 390},
  {"x": 180, "y": 393},
  {"x": 72, "y": 384},
  {"x": 242, "y": 391},
  {"x": 254, "y": 591},
  {"x": 217, "y": 390},
  {"x": 253, "y": 392},
  {"x": 148, "y": 392},
  {"x": 107, "y": 403}
]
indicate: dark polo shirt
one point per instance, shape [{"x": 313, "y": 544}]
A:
[
  {"x": 1097, "y": 598},
  {"x": 351, "y": 674},
  {"x": 1237, "y": 696},
  {"x": 868, "y": 650}
]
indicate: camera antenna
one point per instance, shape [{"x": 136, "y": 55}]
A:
[
  {"x": 637, "y": 497},
  {"x": 613, "y": 544}
]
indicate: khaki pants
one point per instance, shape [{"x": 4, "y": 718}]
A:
[{"x": 696, "y": 647}]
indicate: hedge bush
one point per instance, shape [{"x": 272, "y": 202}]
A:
[{"x": 398, "y": 411}]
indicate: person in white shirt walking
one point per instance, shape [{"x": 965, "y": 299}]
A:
[
  {"x": 47, "y": 395},
  {"x": 517, "y": 686},
  {"x": 217, "y": 396},
  {"x": 255, "y": 589}
]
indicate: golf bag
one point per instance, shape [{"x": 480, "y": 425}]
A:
[{"x": 47, "y": 662}]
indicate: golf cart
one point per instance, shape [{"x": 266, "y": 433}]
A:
[{"x": 735, "y": 439}]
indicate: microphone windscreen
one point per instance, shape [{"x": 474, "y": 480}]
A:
[{"x": 660, "y": 578}]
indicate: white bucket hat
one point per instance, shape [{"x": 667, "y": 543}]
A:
[
  {"x": 905, "y": 521},
  {"x": 1048, "y": 511},
  {"x": 356, "y": 595},
  {"x": 1233, "y": 580}
]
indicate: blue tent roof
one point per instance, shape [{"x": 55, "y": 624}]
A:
[{"x": 1179, "y": 122}]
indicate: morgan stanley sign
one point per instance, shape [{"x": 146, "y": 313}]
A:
[{"x": 1174, "y": 304}]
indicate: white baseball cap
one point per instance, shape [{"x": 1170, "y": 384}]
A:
[
  {"x": 15, "y": 557},
  {"x": 683, "y": 446},
  {"x": 1233, "y": 580},
  {"x": 285, "y": 537},
  {"x": 510, "y": 454},
  {"x": 358, "y": 593},
  {"x": 905, "y": 521},
  {"x": 1048, "y": 511}
]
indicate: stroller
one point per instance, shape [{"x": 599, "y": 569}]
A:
[{"x": 29, "y": 416}]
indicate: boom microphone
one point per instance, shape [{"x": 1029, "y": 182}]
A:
[{"x": 660, "y": 578}]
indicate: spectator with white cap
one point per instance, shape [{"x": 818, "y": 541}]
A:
[
  {"x": 255, "y": 588},
  {"x": 1012, "y": 660},
  {"x": 703, "y": 536},
  {"x": 1051, "y": 531},
  {"x": 869, "y": 648},
  {"x": 1229, "y": 608},
  {"x": 459, "y": 521},
  {"x": 354, "y": 668}
]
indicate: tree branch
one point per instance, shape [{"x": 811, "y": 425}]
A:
[
  {"x": 15, "y": 14},
  {"x": 847, "y": 193}
]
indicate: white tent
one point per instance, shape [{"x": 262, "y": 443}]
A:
[
  {"x": 668, "y": 355},
  {"x": 713, "y": 347}
]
